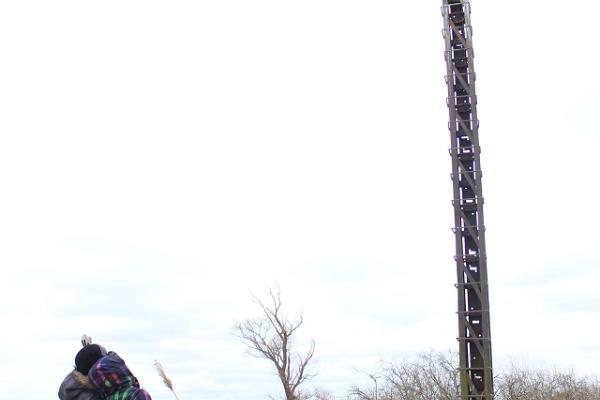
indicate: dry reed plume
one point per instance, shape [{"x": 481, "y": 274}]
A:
[
  {"x": 168, "y": 382},
  {"x": 86, "y": 340}
]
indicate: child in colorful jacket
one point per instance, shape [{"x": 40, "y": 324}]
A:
[{"x": 114, "y": 380}]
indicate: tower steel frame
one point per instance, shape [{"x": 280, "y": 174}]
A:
[{"x": 474, "y": 336}]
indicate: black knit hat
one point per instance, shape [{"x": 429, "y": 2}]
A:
[{"x": 88, "y": 357}]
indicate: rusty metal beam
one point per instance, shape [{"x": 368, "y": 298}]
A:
[{"x": 474, "y": 338}]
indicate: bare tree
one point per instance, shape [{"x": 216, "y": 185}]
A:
[
  {"x": 270, "y": 337},
  {"x": 524, "y": 384},
  {"x": 358, "y": 393},
  {"x": 319, "y": 394},
  {"x": 431, "y": 376}
]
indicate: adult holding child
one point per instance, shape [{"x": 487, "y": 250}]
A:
[
  {"x": 76, "y": 385},
  {"x": 100, "y": 375}
]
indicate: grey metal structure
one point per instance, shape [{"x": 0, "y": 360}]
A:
[{"x": 475, "y": 350}]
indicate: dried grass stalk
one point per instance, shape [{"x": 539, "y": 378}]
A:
[
  {"x": 166, "y": 380},
  {"x": 86, "y": 340}
]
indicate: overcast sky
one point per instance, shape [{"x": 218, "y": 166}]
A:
[{"x": 161, "y": 161}]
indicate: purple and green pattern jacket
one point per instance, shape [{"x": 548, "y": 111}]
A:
[{"x": 115, "y": 381}]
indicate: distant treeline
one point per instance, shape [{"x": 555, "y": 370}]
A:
[{"x": 435, "y": 376}]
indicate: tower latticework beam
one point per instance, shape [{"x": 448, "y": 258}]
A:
[{"x": 475, "y": 350}]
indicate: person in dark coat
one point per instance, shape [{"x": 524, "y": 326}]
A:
[
  {"x": 110, "y": 376},
  {"x": 76, "y": 385}
]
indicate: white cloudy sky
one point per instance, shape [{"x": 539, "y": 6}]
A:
[{"x": 160, "y": 161}]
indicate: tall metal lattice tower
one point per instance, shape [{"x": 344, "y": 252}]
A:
[{"x": 475, "y": 349}]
